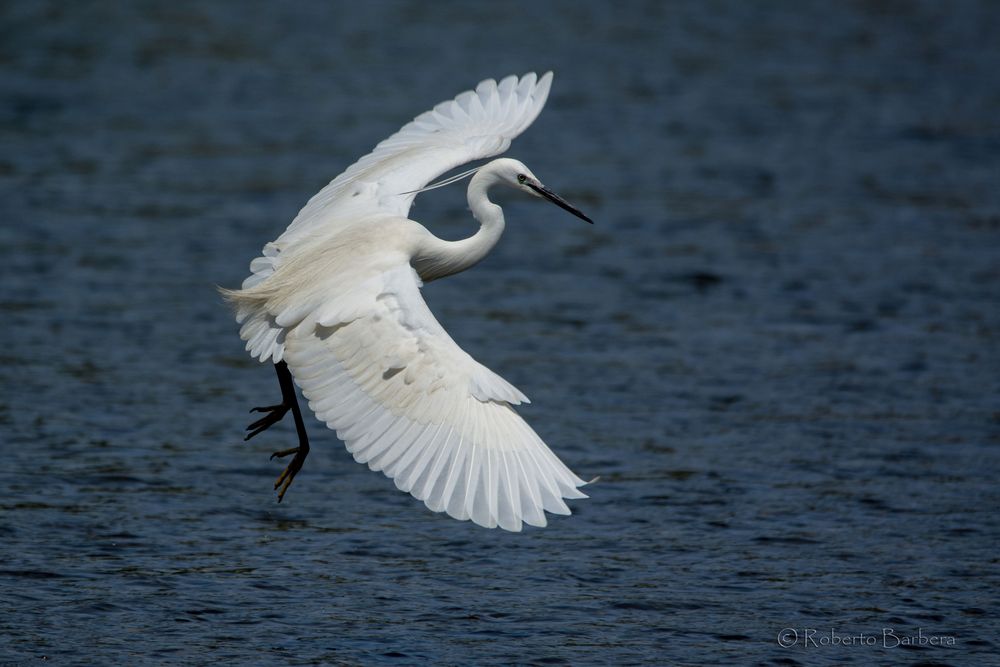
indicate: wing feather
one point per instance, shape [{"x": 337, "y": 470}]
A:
[
  {"x": 430, "y": 485},
  {"x": 452, "y": 441},
  {"x": 415, "y": 462}
]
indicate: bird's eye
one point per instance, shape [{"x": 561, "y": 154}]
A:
[{"x": 521, "y": 178}]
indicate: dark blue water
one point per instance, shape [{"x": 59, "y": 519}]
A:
[{"x": 777, "y": 346}]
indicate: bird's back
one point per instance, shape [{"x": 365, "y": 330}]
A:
[{"x": 323, "y": 266}]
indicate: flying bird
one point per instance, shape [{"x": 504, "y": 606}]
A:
[{"x": 334, "y": 303}]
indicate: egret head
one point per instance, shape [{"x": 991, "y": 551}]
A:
[{"x": 515, "y": 174}]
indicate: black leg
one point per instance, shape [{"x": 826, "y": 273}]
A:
[{"x": 288, "y": 401}]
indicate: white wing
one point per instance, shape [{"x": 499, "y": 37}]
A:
[
  {"x": 378, "y": 368},
  {"x": 476, "y": 124}
]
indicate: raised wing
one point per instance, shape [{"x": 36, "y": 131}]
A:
[
  {"x": 476, "y": 124},
  {"x": 378, "y": 368}
]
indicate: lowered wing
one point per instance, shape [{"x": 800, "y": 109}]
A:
[{"x": 378, "y": 368}]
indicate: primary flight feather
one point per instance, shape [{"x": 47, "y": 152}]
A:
[{"x": 334, "y": 302}]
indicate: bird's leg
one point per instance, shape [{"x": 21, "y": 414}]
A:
[
  {"x": 289, "y": 401},
  {"x": 275, "y": 413}
]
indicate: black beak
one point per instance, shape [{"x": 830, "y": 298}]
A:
[{"x": 558, "y": 201}]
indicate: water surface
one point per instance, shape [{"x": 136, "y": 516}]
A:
[{"x": 777, "y": 346}]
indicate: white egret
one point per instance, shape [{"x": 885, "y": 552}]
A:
[{"x": 334, "y": 302}]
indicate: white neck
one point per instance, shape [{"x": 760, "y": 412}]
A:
[{"x": 440, "y": 258}]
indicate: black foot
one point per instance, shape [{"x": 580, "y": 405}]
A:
[
  {"x": 275, "y": 413},
  {"x": 285, "y": 479}
]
